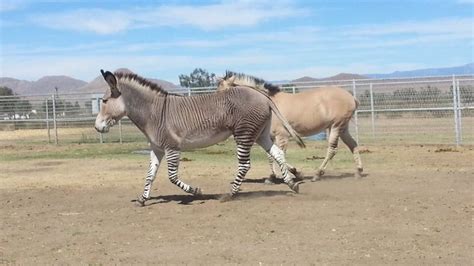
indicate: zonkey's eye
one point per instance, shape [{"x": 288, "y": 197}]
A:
[{"x": 105, "y": 100}]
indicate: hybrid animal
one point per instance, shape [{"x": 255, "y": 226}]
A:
[{"x": 174, "y": 123}]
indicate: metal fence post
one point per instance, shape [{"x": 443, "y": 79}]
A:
[
  {"x": 120, "y": 131},
  {"x": 54, "y": 121},
  {"x": 47, "y": 121},
  {"x": 189, "y": 91},
  {"x": 455, "y": 103},
  {"x": 372, "y": 110},
  {"x": 293, "y": 89},
  {"x": 354, "y": 92},
  {"x": 459, "y": 111}
]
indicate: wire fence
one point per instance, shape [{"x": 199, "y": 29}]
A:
[{"x": 428, "y": 110}]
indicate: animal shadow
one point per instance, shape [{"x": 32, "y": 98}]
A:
[
  {"x": 278, "y": 181},
  {"x": 335, "y": 176},
  {"x": 200, "y": 199}
]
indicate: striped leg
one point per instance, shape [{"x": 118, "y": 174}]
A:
[
  {"x": 155, "y": 159},
  {"x": 281, "y": 141},
  {"x": 243, "y": 156},
  {"x": 172, "y": 157},
  {"x": 279, "y": 157}
]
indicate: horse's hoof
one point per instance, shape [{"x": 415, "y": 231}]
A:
[
  {"x": 295, "y": 186},
  {"x": 141, "y": 201},
  {"x": 358, "y": 173},
  {"x": 318, "y": 176},
  {"x": 227, "y": 197}
]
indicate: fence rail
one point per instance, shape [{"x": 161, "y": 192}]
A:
[{"x": 427, "y": 110}]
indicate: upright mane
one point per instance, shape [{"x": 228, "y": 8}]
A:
[
  {"x": 141, "y": 81},
  {"x": 242, "y": 79}
]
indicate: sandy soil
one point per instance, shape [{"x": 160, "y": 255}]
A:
[{"x": 414, "y": 206}]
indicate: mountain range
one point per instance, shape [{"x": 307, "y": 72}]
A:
[
  {"x": 467, "y": 69},
  {"x": 65, "y": 84}
]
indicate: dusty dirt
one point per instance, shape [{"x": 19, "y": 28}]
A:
[{"x": 414, "y": 206}]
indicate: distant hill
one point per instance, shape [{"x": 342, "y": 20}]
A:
[
  {"x": 345, "y": 76},
  {"x": 65, "y": 84},
  {"x": 43, "y": 85},
  {"x": 445, "y": 71},
  {"x": 305, "y": 79},
  {"x": 340, "y": 76}
]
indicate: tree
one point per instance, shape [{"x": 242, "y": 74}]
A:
[
  {"x": 5, "y": 91},
  {"x": 198, "y": 78},
  {"x": 12, "y": 104}
]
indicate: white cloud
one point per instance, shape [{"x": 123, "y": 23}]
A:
[
  {"x": 462, "y": 26},
  {"x": 207, "y": 17},
  {"x": 465, "y": 1},
  {"x": 96, "y": 20},
  {"x": 10, "y": 5}
]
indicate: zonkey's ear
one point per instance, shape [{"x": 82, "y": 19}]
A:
[
  {"x": 112, "y": 82},
  {"x": 231, "y": 80}
]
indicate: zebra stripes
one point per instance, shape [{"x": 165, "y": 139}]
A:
[
  {"x": 151, "y": 174},
  {"x": 173, "y": 123},
  {"x": 243, "y": 156},
  {"x": 172, "y": 157}
]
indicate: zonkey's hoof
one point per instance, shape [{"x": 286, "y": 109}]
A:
[
  {"x": 197, "y": 191},
  {"x": 295, "y": 186},
  {"x": 141, "y": 201},
  {"x": 227, "y": 197},
  {"x": 296, "y": 173}
]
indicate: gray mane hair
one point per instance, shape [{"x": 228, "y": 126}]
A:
[
  {"x": 144, "y": 83},
  {"x": 248, "y": 80}
]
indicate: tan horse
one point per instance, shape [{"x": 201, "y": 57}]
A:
[{"x": 308, "y": 112}]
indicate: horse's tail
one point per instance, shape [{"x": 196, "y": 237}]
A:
[
  {"x": 357, "y": 103},
  {"x": 287, "y": 125}
]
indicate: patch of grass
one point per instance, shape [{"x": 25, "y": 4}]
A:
[
  {"x": 68, "y": 151},
  {"x": 221, "y": 154}
]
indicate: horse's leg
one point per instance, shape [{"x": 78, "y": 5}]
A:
[
  {"x": 278, "y": 156},
  {"x": 272, "y": 178},
  {"x": 155, "y": 159},
  {"x": 352, "y": 145},
  {"x": 172, "y": 158},
  {"x": 332, "y": 149}
]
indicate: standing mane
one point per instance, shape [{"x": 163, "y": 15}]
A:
[
  {"x": 143, "y": 82},
  {"x": 242, "y": 79}
]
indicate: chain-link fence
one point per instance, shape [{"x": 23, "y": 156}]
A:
[{"x": 430, "y": 110}]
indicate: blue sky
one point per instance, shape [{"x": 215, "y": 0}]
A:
[{"x": 274, "y": 39}]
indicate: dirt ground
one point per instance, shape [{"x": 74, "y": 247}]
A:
[{"x": 414, "y": 206}]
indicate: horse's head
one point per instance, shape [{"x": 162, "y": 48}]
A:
[
  {"x": 225, "y": 83},
  {"x": 112, "y": 107}
]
